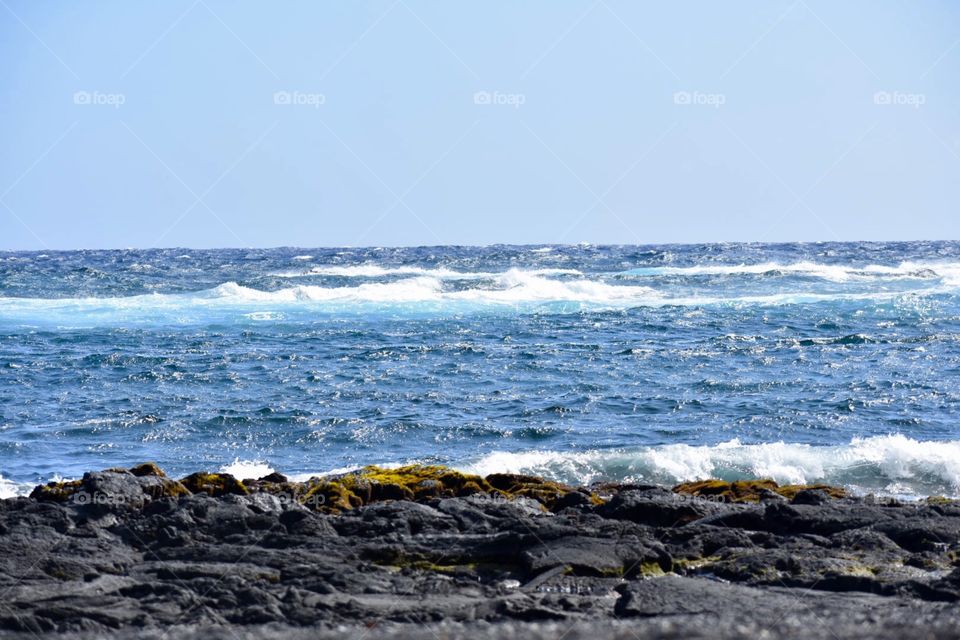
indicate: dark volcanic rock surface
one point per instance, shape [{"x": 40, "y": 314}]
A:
[{"x": 645, "y": 562}]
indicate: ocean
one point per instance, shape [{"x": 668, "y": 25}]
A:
[{"x": 833, "y": 362}]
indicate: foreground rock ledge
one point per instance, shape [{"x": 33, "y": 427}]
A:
[{"x": 427, "y": 552}]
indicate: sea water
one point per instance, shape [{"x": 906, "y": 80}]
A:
[{"x": 800, "y": 362}]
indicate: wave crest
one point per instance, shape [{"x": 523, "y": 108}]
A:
[
  {"x": 948, "y": 272},
  {"x": 512, "y": 291},
  {"x": 370, "y": 270},
  {"x": 893, "y": 465},
  {"x": 11, "y": 489}
]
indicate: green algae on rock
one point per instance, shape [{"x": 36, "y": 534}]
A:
[
  {"x": 419, "y": 483},
  {"x": 375, "y": 484},
  {"x": 147, "y": 469},
  {"x": 145, "y": 482},
  {"x": 543, "y": 491},
  {"x": 55, "y": 491},
  {"x": 214, "y": 484},
  {"x": 426, "y": 482},
  {"x": 494, "y": 554},
  {"x": 750, "y": 490}
]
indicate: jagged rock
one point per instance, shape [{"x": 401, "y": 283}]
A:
[
  {"x": 111, "y": 489},
  {"x": 811, "y": 496},
  {"x": 658, "y": 508},
  {"x": 214, "y": 484},
  {"x": 424, "y": 545},
  {"x": 147, "y": 469},
  {"x": 751, "y": 490}
]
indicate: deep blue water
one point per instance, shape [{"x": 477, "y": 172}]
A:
[{"x": 659, "y": 363}]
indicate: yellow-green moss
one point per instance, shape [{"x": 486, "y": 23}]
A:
[
  {"x": 420, "y": 482},
  {"x": 376, "y": 484},
  {"x": 148, "y": 469},
  {"x": 372, "y": 484},
  {"x": 750, "y": 490},
  {"x": 859, "y": 571},
  {"x": 692, "y": 564},
  {"x": 546, "y": 492},
  {"x": 330, "y": 496},
  {"x": 421, "y": 564},
  {"x": 55, "y": 491},
  {"x": 791, "y": 490},
  {"x": 651, "y": 570},
  {"x": 425, "y": 482},
  {"x": 738, "y": 491},
  {"x": 214, "y": 484},
  {"x": 165, "y": 488},
  {"x": 346, "y": 491}
]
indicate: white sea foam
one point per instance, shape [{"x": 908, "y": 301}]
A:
[
  {"x": 514, "y": 290},
  {"x": 303, "y": 477},
  {"x": 949, "y": 272},
  {"x": 244, "y": 469},
  {"x": 371, "y": 270},
  {"x": 11, "y": 489},
  {"x": 886, "y": 465},
  {"x": 512, "y": 287},
  {"x": 893, "y": 464}
]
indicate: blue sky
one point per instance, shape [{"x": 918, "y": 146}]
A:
[{"x": 207, "y": 123}]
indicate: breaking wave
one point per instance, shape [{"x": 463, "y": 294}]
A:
[
  {"x": 891, "y": 465},
  {"x": 376, "y": 271},
  {"x": 521, "y": 290},
  {"x": 418, "y": 291},
  {"x": 10, "y": 489},
  {"x": 948, "y": 272}
]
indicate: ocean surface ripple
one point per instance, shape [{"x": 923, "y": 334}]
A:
[{"x": 831, "y": 362}]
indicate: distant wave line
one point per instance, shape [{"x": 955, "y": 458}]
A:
[{"x": 948, "y": 271}]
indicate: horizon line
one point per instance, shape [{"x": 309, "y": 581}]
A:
[{"x": 375, "y": 247}]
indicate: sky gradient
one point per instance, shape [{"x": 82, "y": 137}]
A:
[{"x": 207, "y": 123}]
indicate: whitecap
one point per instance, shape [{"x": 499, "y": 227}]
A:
[
  {"x": 243, "y": 469},
  {"x": 892, "y": 464},
  {"x": 11, "y": 489},
  {"x": 514, "y": 291},
  {"x": 948, "y": 272},
  {"x": 370, "y": 270}
]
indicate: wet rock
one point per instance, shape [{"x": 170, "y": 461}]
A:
[{"x": 751, "y": 490}]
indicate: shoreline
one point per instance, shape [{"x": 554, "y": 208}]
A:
[
  {"x": 409, "y": 552},
  {"x": 891, "y": 465}
]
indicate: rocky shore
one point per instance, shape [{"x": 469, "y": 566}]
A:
[{"x": 426, "y": 552}]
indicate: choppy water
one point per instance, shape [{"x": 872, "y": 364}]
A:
[{"x": 836, "y": 362}]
